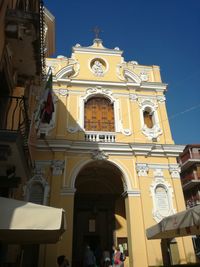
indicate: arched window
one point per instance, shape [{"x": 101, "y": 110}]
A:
[
  {"x": 148, "y": 118},
  {"x": 99, "y": 115},
  {"x": 36, "y": 193}
]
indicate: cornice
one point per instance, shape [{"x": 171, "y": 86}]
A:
[
  {"x": 122, "y": 149},
  {"x": 132, "y": 193},
  {"x": 151, "y": 86},
  {"x": 91, "y": 50},
  {"x": 154, "y": 85}
]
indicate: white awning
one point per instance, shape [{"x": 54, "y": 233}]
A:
[
  {"x": 25, "y": 222},
  {"x": 180, "y": 224}
]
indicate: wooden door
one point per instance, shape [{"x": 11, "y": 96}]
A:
[{"x": 99, "y": 115}]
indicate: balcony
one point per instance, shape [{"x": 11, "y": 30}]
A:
[
  {"x": 190, "y": 157},
  {"x": 192, "y": 200},
  {"x": 14, "y": 130},
  {"x": 24, "y": 34},
  {"x": 105, "y": 137},
  {"x": 190, "y": 180}
]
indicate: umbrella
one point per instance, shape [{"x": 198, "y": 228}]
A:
[
  {"x": 27, "y": 223},
  {"x": 183, "y": 223}
]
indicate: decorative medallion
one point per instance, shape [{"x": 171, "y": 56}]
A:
[
  {"x": 99, "y": 155},
  {"x": 98, "y": 67}
]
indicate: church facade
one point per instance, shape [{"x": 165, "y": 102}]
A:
[{"x": 107, "y": 157}]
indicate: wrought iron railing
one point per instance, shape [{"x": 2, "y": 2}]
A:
[
  {"x": 42, "y": 39},
  {"x": 14, "y": 117}
]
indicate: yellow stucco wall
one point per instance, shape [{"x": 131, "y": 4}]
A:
[{"x": 66, "y": 141}]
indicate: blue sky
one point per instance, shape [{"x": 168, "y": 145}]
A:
[{"x": 156, "y": 32}]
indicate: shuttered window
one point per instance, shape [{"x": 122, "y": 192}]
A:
[{"x": 99, "y": 115}]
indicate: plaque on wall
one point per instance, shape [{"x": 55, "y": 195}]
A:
[
  {"x": 92, "y": 226},
  {"x": 162, "y": 201},
  {"x": 122, "y": 242}
]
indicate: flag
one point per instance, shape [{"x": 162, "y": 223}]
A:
[{"x": 46, "y": 106}]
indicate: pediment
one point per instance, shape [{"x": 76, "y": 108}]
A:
[
  {"x": 131, "y": 76},
  {"x": 65, "y": 72}
]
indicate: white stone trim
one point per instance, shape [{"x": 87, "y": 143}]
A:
[
  {"x": 99, "y": 155},
  {"x": 144, "y": 76},
  {"x": 158, "y": 166},
  {"x": 65, "y": 72},
  {"x": 128, "y": 74},
  {"x": 156, "y": 87},
  {"x": 133, "y": 97},
  {"x": 161, "y": 99},
  {"x": 155, "y": 131},
  {"x": 113, "y": 148},
  {"x": 100, "y": 58},
  {"x": 92, "y": 50},
  {"x": 131, "y": 193},
  {"x": 71, "y": 70},
  {"x": 41, "y": 180},
  {"x": 160, "y": 181},
  {"x": 175, "y": 171},
  {"x": 142, "y": 169},
  {"x": 61, "y": 91},
  {"x": 77, "y": 168},
  {"x": 58, "y": 167},
  {"x": 127, "y": 132},
  {"x": 91, "y": 92}
]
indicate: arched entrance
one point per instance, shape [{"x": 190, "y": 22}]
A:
[{"x": 99, "y": 209}]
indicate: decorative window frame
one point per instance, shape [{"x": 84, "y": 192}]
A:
[
  {"x": 40, "y": 180},
  {"x": 160, "y": 182},
  {"x": 155, "y": 131},
  {"x": 99, "y": 91}
]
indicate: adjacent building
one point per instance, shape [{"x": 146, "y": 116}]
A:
[
  {"x": 190, "y": 177},
  {"x": 23, "y": 40},
  {"x": 103, "y": 151},
  {"x": 190, "y": 174}
]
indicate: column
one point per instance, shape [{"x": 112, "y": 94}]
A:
[{"x": 136, "y": 233}]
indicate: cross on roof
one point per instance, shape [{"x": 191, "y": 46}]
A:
[{"x": 96, "y": 31}]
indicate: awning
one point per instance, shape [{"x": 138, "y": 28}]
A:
[
  {"x": 27, "y": 223},
  {"x": 180, "y": 224}
]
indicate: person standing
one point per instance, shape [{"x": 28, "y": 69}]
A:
[
  {"x": 89, "y": 258},
  {"x": 62, "y": 261},
  {"x": 117, "y": 258},
  {"x": 106, "y": 261}
]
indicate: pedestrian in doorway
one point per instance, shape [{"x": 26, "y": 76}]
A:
[
  {"x": 89, "y": 258},
  {"x": 117, "y": 258},
  {"x": 106, "y": 261},
  {"x": 62, "y": 261}
]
